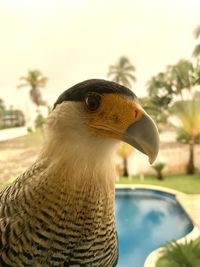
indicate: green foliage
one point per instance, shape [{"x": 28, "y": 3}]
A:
[
  {"x": 171, "y": 83},
  {"x": 188, "y": 113},
  {"x": 196, "y": 51},
  {"x": 158, "y": 167},
  {"x": 158, "y": 111},
  {"x": 39, "y": 122},
  {"x": 162, "y": 88},
  {"x": 161, "y": 95},
  {"x": 29, "y": 130},
  {"x": 181, "y": 76},
  {"x": 181, "y": 255},
  {"x": 122, "y": 72},
  {"x": 49, "y": 109},
  {"x": 184, "y": 138},
  {"x": 2, "y": 106},
  {"x": 175, "y": 79}
]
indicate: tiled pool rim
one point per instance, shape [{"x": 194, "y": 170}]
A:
[{"x": 155, "y": 255}]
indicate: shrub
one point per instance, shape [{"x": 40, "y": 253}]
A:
[
  {"x": 39, "y": 122},
  {"x": 29, "y": 130},
  {"x": 183, "y": 137},
  {"x": 158, "y": 167},
  {"x": 181, "y": 255}
]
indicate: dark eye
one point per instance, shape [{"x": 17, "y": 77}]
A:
[{"x": 92, "y": 101}]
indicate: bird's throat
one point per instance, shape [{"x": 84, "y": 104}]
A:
[{"x": 82, "y": 192}]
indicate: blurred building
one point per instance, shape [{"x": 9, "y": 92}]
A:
[{"x": 11, "y": 118}]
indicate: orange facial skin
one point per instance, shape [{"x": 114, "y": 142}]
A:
[{"x": 112, "y": 120}]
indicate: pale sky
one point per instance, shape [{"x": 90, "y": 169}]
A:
[{"x": 74, "y": 40}]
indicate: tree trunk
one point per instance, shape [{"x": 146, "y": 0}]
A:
[
  {"x": 160, "y": 176},
  {"x": 190, "y": 166},
  {"x": 125, "y": 167}
]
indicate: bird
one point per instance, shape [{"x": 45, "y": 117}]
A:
[{"x": 60, "y": 211}]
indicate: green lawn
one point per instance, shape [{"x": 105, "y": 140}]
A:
[
  {"x": 189, "y": 184},
  {"x": 185, "y": 183},
  {"x": 29, "y": 140},
  {"x": 33, "y": 139}
]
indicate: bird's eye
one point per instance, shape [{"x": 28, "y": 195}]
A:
[{"x": 92, "y": 101}]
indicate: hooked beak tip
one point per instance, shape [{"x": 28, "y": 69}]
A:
[{"x": 143, "y": 135}]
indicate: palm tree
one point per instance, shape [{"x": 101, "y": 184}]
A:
[
  {"x": 163, "y": 87},
  {"x": 160, "y": 96},
  {"x": 158, "y": 167},
  {"x": 196, "y": 51},
  {"x": 124, "y": 152},
  {"x": 181, "y": 76},
  {"x": 34, "y": 80},
  {"x": 122, "y": 72},
  {"x": 176, "y": 78},
  {"x": 188, "y": 113}
]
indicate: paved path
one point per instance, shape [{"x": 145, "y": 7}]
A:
[
  {"x": 11, "y": 133},
  {"x": 191, "y": 204},
  {"x": 17, "y": 154}
]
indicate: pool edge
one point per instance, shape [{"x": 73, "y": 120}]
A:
[{"x": 155, "y": 255}]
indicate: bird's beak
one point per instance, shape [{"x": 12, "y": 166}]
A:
[
  {"x": 126, "y": 121},
  {"x": 143, "y": 135}
]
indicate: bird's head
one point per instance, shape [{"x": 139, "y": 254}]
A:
[{"x": 97, "y": 110}]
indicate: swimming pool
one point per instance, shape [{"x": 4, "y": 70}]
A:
[{"x": 145, "y": 220}]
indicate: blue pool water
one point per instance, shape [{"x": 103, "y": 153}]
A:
[{"x": 146, "y": 219}]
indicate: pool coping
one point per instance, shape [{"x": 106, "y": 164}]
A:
[{"x": 183, "y": 200}]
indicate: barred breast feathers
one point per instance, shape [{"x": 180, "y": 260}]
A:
[{"x": 69, "y": 191}]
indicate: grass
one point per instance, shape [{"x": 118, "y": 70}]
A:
[
  {"x": 189, "y": 184},
  {"x": 31, "y": 139}
]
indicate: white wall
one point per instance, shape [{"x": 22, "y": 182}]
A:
[{"x": 174, "y": 155}]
